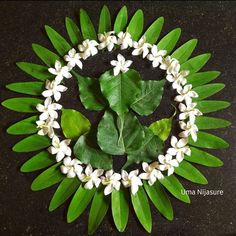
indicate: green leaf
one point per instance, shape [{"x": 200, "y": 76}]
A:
[
  {"x": 169, "y": 41},
  {"x": 79, "y": 203},
  {"x": 104, "y": 21},
  {"x": 36, "y": 71},
  {"x": 135, "y": 27},
  {"x": 120, "y": 208},
  {"x": 31, "y": 88},
  {"x": 46, "y": 55},
  {"x": 207, "y": 90},
  {"x": 184, "y": 52},
  {"x": 212, "y": 105},
  {"x": 47, "y": 178},
  {"x": 86, "y": 26},
  {"x": 66, "y": 188},
  {"x": 160, "y": 199},
  {"x": 151, "y": 147},
  {"x": 172, "y": 184},
  {"x": 73, "y": 31},
  {"x": 38, "y": 161},
  {"x": 162, "y": 128},
  {"x": 142, "y": 209},
  {"x": 189, "y": 172},
  {"x": 26, "y": 126},
  {"x": 87, "y": 150},
  {"x": 121, "y": 90},
  {"x": 202, "y": 78},
  {"x": 74, "y": 124},
  {"x": 204, "y": 122},
  {"x": 153, "y": 32},
  {"x": 129, "y": 137},
  {"x": 98, "y": 210},
  {"x": 22, "y": 104},
  {"x": 121, "y": 20},
  {"x": 58, "y": 42},
  {"x": 90, "y": 93},
  {"x": 203, "y": 158},
  {"x": 206, "y": 140},
  {"x": 150, "y": 97},
  {"x": 194, "y": 64},
  {"x": 32, "y": 143}
]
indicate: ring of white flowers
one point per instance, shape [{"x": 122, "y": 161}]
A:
[{"x": 111, "y": 180}]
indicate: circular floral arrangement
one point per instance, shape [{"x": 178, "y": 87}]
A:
[{"x": 121, "y": 93}]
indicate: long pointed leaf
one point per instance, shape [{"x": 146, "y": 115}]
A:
[
  {"x": 98, "y": 210},
  {"x": 73, "y": 31},
  {"x": 26, "y": 126},
  {"x": 22, "y": 104},
  {"x": 58, "y": 42},
  {"x": 46, "y": 55},
  {"x": 30, "y": 88},
  {"x": 48, "y": 178},
  {"x": 212, "y": 105},
  {"x": 160, "y": 199},
  {"x": 201, "y": 78},
  {"x": 153, "y": 32},
  {"x": 142, "y": 209},
  {"x": 37, "y": 162},
  {"x": 79, "y": 202},
  {"x": 169, "y": 41},
  {"x": 189, "y": 172},
  {"x": 204, "y": 122},
  {"x": 36, "y": 71},
  {"x": 184, "y": 52},
  {"x": 203, "y": 158},
  {"x": 121, "y": 20},
  {"x": 120, "y": 208},
  {"x": 194, "y": 64},
  {"x": 86, "y": 26},
  {"x": 135, "y": 27},
  {"x": 104, "y": 21},
  {"x": 172, "y": 184},
  {"x": 206, "y": 140},
  {"x": 66, "y": 188},
  {"x": 32, "y": 143}
]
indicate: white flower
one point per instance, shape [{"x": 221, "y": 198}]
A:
[
  {"x": 91, "y": 177},
  {"x": 179, "y": 148},
  {"x": 141, "y": 47},
  {"x": 186, "y": 94},
  {"x": 131, "y": 180},
  {"x": 48, "y": 109},
  {"x": 120, "y": 65},
  {"x": 171, "y": 65},
  {"x": 156, "y": 56},
  {"x": 88, "y": 48},
  {"x": 190, "y": 111},
  {"x": 60, "y": 148},
  {"x": 189, "y": 129},
  {"x": 152, "y": 174},
  {"x": 47, "y": 127},
  {"x": 60, "y": 72},
  {"x": 125, "y": 40},
  {"x": 71, "y": 168},
  {"x": 167, "y": 163},
  {"x": 53, "y": 88},
  {"x": 112, "y": 181},
  {"x": 73, "y": 59},
  {"x": 108, "y": 40}
]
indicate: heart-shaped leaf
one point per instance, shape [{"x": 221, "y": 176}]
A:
[{"x": 74, "y": 124}]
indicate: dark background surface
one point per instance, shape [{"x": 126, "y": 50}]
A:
[{"x": 23, "y": 212}]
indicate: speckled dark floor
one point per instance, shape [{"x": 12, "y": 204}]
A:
[{"x": 23, "y": 212}]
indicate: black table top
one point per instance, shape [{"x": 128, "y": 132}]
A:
[{"x": 23, "y": 212}]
